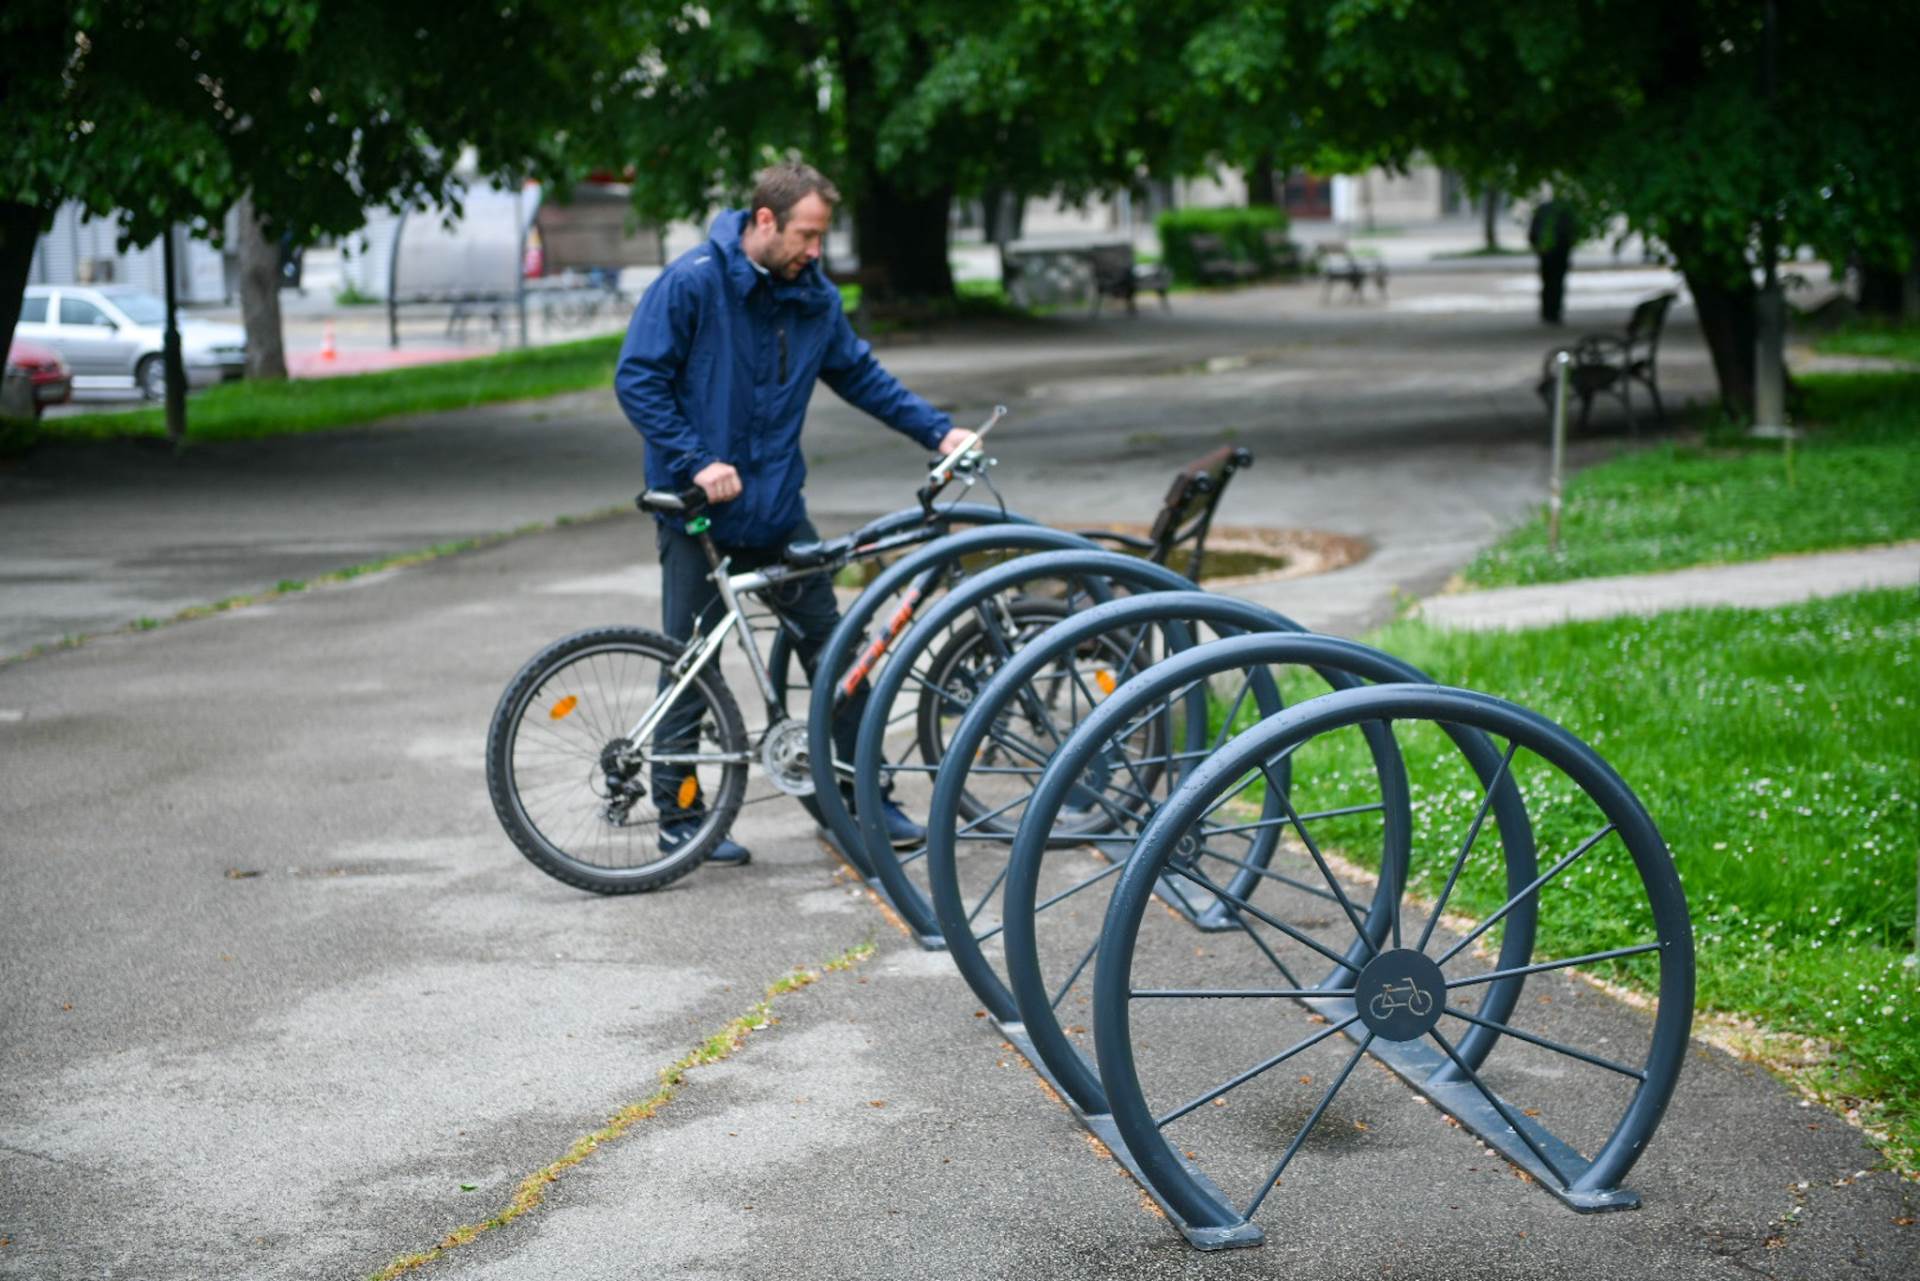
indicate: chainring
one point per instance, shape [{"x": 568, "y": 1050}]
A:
[{"x": 784, "y": 756}]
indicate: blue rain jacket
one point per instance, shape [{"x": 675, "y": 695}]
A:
[{"x": 719, "y": 364}]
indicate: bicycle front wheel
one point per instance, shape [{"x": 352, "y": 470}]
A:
[{"x": 586, "y": 802}]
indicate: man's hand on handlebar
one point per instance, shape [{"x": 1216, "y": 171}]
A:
[
  {"x": 721, "y": 483},
  {"x": 956, "y": 438}
]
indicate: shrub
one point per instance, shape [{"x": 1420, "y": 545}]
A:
[{"x": 1242, "y": 231}]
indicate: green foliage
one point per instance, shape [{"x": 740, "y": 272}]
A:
[
  {"x": 1241, "y": 231},
  {"x": 1854, "y": 481},
  {"x": 169, "y": 113}
]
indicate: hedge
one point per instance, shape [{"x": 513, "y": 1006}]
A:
[{"x": 1242, "y": 231}]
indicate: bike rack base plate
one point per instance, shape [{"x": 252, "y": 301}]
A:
[
  {"x": 1100, "y": 1125},
  {"x": 927, "y": 942},
  {"x": 1420, "y": 1066}
]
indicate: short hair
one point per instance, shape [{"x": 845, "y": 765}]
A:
[{"x": 780, "y": 187}]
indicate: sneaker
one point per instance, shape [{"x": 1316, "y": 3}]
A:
[
  {"x": 730, "y": 854},
  {"x": 727, "y": 853},
  {"x": 902, "y": 831}
]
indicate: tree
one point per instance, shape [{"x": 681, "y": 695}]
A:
[
  {"x": 906, "y": 106},
  {"x": 307, "y": 111},
  {"x": 1650, "y": 110}
]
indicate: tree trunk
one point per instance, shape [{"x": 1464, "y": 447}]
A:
[
  {"x": 1004, "y": 210},
  {"x": 904, "y": 235},
  {"x": 1490, "y": 219},
  {"x": 19, "y": 229},
  {"x": 1729, "y": 321},
  {"x": 260, "y": 296},
  {"x": 1261, "y": 187}
]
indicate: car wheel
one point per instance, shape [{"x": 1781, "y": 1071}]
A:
[{"x": 150, "y": 376}]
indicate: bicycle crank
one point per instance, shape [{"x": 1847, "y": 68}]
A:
[{"x": 784, "y": 756}]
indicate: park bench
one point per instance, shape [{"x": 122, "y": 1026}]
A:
[
  {"x": 1040, "y": 274},
  {"x": 1186, "y": 513},
  {"x": 1215, "y": 264},
  {"x": 1339, "y": 265},
  {"x": 1283, "y": 255},
  {"x": 1610, "y": 363},
  {"x": 1117, "y": 275}
]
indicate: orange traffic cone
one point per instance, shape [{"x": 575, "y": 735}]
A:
[{"x": 327, "y": 350}]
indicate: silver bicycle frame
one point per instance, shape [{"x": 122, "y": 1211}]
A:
[
  {"x": 694, "y": 661},
  {"x": 704, "y": 646}
]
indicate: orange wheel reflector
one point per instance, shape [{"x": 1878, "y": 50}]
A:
[
  {"x": 564, "y": 706},
  {"x": 689, "y": 791},
  {"x": 1104, "y": 679}
]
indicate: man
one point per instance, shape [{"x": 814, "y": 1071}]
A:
[
  {"x": 1551, "y": 233},
  {"x": 716, "y": 372}
]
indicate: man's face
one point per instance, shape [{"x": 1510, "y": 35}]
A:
[{"x": 786, "y": 251}]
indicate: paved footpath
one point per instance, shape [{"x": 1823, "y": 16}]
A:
[
  {"x": 284, "y": 1003},
  {"x": 1755, "y": 585}
]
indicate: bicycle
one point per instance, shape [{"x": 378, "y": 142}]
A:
[{"x": 576, "y": 741}]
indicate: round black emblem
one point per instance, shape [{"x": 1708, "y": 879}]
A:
[{"x": 1399, "y": 994}]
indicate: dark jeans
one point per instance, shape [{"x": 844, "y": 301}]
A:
[
  {"x": 1553, "y": 285},
  {"x": 687, "y": 594}
]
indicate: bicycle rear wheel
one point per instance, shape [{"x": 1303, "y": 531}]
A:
[{"x": 585, "y": 803}]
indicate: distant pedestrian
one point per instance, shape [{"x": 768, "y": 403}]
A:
[{"x": 1551, "y": 233}]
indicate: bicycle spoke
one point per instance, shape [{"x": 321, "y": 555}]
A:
[
  {"x": 1466, "y": 847},
  {"x": 1544, "y": 1043},
  {"x": 1496, "y": 975},
  {"x": 1319, "y": 860},
  {"x": 1086, "y": 958},
  {"x": 998, "y": 880},
  {"x": 1506, "y": 1114},
  {"x": 1267, "y": 873},
  {"x": 1525, "y": 894},
  {"x": 1306, "y": 1129},
  {"x": 1233, "y": 1083},
  {"x": 1226, "y": 726},
  {"x": 990, "y": 815},
  {"x": 1235, "y": 993},
  {"x": 1221, "y": 893}
]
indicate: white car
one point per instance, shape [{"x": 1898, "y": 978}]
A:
[{"x": 111, "y": 335}]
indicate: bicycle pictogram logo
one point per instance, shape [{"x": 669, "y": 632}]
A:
[{"x": 1395, "y": 996}]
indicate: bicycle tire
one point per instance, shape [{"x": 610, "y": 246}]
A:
[{"x": 593, "y": 719}]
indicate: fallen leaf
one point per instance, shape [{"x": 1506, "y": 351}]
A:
[{"x": 877, "y": 1103}]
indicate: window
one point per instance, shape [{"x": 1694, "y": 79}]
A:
[
  {"x": 78, "y": 311},
  {"x": 33, "y": 311}
]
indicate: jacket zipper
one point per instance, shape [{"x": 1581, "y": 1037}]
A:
[{"x": 783, "y": 356}]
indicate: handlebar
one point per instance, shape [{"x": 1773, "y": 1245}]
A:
[{"x": 967, "y": 456}]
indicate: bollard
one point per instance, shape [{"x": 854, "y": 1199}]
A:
[{"x": 1563, "y": 362}]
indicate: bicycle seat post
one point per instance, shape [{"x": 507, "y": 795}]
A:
[{"x": 699, "y": 527}]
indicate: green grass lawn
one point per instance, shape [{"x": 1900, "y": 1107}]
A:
[
  {"x": 1854, "y": 480},
  {"x": 1886, "y": 339},
  {"x": 245, "y": 410},
  {"x": 1776, "y": 750}
]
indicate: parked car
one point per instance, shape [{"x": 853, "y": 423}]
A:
[
  {"x": 35, "y": 378},
  {"x": 111, "y": 336}
]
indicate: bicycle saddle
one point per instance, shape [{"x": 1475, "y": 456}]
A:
[
  {"x": 672, "y": 502},
  {"x": 816, "y": 551}
]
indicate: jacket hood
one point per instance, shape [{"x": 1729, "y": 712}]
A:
[{"x": 809, "y": 290}]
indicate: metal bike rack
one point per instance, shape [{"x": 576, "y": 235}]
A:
[
  {"x": 972, "y": 598},
  {"x": 850, "y": 650},
  {"x": 1391, "y": 1005}
]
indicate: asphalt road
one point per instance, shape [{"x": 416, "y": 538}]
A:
[{"x": 284, "y": 1002}]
